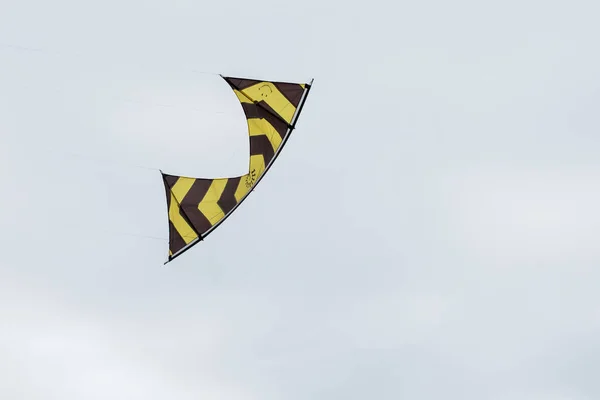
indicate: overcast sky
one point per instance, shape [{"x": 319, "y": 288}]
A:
[{"x": 436, "y": 219}]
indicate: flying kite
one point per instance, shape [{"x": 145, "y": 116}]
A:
[{"x": 197, "y": 206}]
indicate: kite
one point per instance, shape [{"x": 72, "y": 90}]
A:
[{"x": 197, "y": 206}]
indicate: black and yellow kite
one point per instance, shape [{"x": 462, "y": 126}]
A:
[{"x": 197, "y": 206}]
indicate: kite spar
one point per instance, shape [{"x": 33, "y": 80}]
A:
[{"x": 197, "y": 206}]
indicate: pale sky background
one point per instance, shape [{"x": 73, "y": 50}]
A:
[{"x": 430, "y": 231}]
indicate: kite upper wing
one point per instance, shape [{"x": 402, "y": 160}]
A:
[{"x": 197, "y": 206}]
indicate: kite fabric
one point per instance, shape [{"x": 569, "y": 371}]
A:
[{"x": 196, "y": 206}]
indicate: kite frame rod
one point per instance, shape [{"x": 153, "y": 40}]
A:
[{"x": 291, "y": 127}]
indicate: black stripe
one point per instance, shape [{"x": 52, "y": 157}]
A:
[
  {"x": 227, "y": 200},
  {"x": 170, "y": 180},
  {"x": 256, "y": 111},
  {"x": 176, "y": 241},
  {"x": 260, "y": 144},
  {"x": 189, "y": 205},
  {"x": 291, "y": 91},
  {"x": 241, "y": 84}
]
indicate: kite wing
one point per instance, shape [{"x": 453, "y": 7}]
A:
[{"x": 197, "y": 206}]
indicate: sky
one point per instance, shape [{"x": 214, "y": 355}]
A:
[{"x": 429, "y": 231}]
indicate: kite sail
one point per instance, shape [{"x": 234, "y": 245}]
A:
[{"x": 197, "y": 206}]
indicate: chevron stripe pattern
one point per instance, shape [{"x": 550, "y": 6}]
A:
[{"x": 196, "y": 205}]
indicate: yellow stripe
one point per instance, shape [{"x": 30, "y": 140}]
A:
[
  {"x": 241, "y": 97},
  {"x": 208, "y": 206},
  {"x": 182, "y": 187},
  {"x": 267, "y": 92},
  {"x": 257, "y": 168},
  {"x": 257, "y": 126},
  {"x": 181, "y": 225},
  {"x": 242, "y": 188},
  {"x": 257, "y": 164}
]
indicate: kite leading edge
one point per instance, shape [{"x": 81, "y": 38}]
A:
[{"x": 197, "y": 206}]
